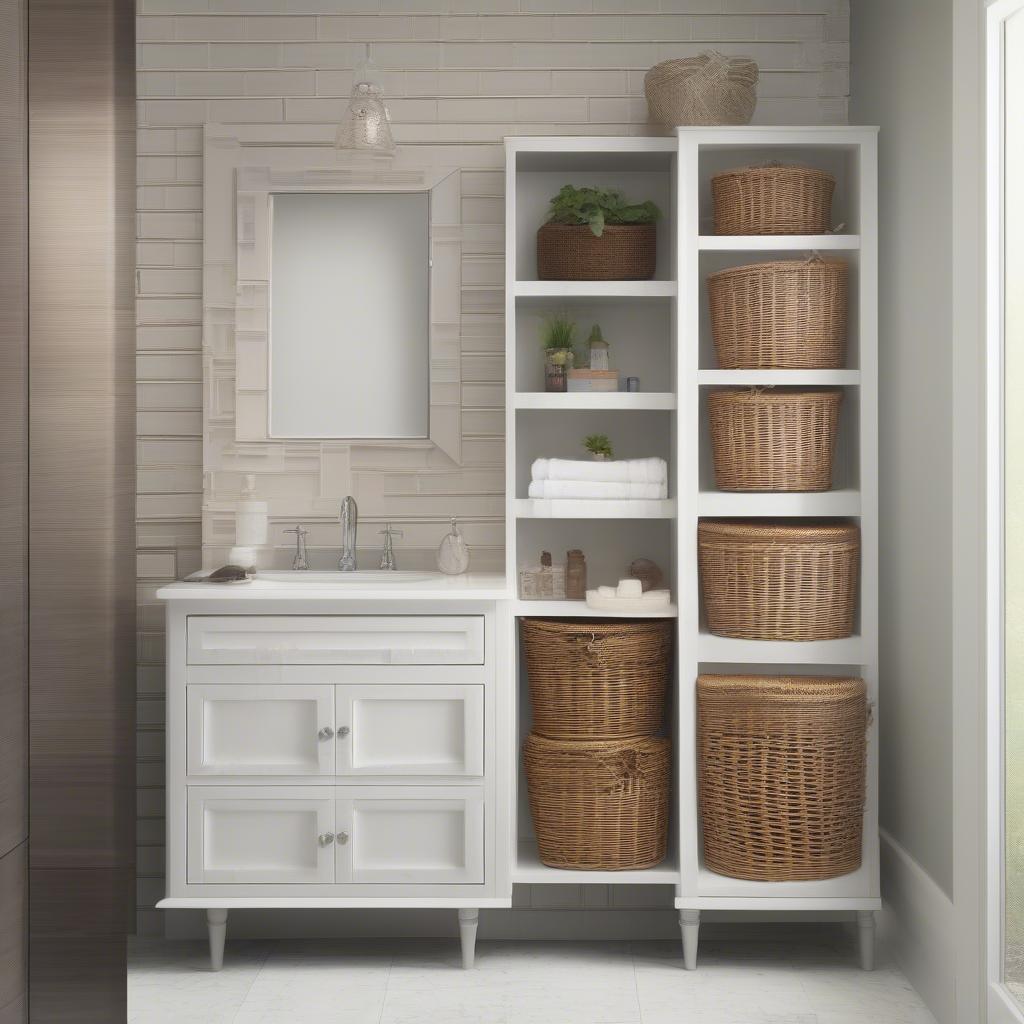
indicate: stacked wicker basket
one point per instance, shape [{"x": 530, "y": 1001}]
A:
[
  {"x": 597, "y": 773},
  {"x": 782, "y": 759}
]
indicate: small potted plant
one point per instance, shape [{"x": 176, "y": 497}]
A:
[
  {"x": 593, "y": 234},
  {"x": 599, "y": 446},
  {"x": 559, "y": 354}
]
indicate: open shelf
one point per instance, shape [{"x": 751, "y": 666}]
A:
[
  {"x": 595, "y": 508},
  {"x": 775, "y": 243},
  {"x": 596, "y": 289},
  {"x": 726, "y": 650},
  {"x": 657, "y": 400},
  {"x": 779, "y": 378},
  {"x": 580, "y": 610},
  {"x": 749, "y": 505},
  {"x": 529, "y": 870}
]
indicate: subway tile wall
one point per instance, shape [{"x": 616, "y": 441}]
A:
[{"x": 458, "y": 74}]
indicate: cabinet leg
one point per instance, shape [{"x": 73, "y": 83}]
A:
[
  {"x": 468, "y": 921},
  {"x": 689, "y": 922},
  {"x": 217, "y": 926},
  {"x": 866, "y": 939}
]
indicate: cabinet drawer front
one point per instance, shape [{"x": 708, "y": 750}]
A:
[
  {"x": 260, "y": 729},
  {"x": 260, "y": 834},
  {"x": 414, "y": 729},
  {"x": 336, "y": 640},
  {"x": 410, "y": 836}
]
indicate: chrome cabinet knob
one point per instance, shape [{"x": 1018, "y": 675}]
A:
[
  {"x": 326, "y": 733},
  {"x": 343, "y": 730},
  {"x": 325, "y": 839},
  {"x": 342, "y": 838}
]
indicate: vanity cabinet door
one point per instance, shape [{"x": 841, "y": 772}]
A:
[
  {"x": 410, "y": 729},
  {"x": 408, "y": 834},
  {"x": 260, "y": 729},
  {"x": 256, "y": 834}
]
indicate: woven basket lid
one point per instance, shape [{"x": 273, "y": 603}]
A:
[
  {"x": 781, "y": 687},
  {"x": 781, "y": 267},
  {"x": 758, "y": 532},
  {"x": 780, "y": 395},
  {"x": 775, "y": 171}
]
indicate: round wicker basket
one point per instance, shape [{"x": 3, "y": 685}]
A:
[
  {"x": 599, "y": 805},
  {"x": 772, "y": 200},
  {"x": 709, "y": 89},
  {"x": 785, "y": 314},
  {"x": 773, "y": 440},
  {"x": 572, "y": 252},
  {"x": 597, "y": 680},
  {"x": 778, "y": 582},
  {"x": 781, "y": 764}
]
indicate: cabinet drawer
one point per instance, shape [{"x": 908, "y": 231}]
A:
[
  {"x": 414, "y": 729},
  {"x": 260, "y": 729},
  {"x": 336, "y": 640},
  {"x": 260, "y": 834}
]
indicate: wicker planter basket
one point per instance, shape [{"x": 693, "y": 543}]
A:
[
  {"x": 708, "y": 89},
  {"x": 597, "y": 680},
  {"x": 601, "y": 805},
  {"x": 572, "y": 252},
  {"x": 772, "y": 200},
  {"x": 781, "y": 767},
  {"x": 787, "y": 314},
  {"x": 778, "y": 582},
  {"x": 775, "y": 440}
]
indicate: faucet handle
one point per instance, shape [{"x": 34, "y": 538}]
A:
[
  {"x": 299, "y": 561},
  {"x": 298, "y": 530},
  {"x": 390, "y": 531}
]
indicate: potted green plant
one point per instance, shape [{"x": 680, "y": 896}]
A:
[
  {"x": 599, "y": 446},
  {"x": 594, "y": 234},
  {"x": 559, "y": 353}
]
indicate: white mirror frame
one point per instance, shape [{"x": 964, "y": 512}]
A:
[{"x": 258, "y": 174}]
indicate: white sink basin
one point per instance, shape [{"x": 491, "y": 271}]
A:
[{"x": 371, "y": 577}]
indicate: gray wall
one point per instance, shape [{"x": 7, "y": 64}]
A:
[{"x": 902, "y": 81}]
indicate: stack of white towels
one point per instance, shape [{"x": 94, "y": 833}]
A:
[{"x": 623, "y": 480}]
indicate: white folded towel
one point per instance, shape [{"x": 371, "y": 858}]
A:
[
  {"x": 636, "y": 471},
  {"x": 596, "y": 489}
]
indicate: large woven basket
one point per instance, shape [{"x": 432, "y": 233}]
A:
[
  {"x": 773, "y": 440},
  {"x": 781, "y": 765},
  {"x": 600, "y": 805},
  {"x": 772, "y": 200},
  {"x": 572, "y": 252},
  {"x": 766, "y": 581},
  {"x": 708, "y": 89},
  {"x": 786, "y": 314},
  {"x": 597, "y": 680}
]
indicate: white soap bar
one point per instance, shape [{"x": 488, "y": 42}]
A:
[
  {"x": 629, "y": 588},
  {"x": 606, "y": 591}
]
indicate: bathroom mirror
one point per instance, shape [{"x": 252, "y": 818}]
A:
[{"x": 349, "y": 315}]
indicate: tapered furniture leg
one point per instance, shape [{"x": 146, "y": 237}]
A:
[
  {"x": 689, "y": 922},
  {"x": 468, "y": 920},
  {"x": 866, "y": 939},
  {"x": 217, "y": 926}
]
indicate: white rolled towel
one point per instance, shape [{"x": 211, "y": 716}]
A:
[
  {"x": 596, "y": 489},
  {"x": 636, "y": 471}
]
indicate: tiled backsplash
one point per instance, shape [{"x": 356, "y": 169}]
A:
[{"x": 454, "y": 79}]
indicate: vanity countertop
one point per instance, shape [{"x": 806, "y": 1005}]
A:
[{"x": 478, "y": 586}]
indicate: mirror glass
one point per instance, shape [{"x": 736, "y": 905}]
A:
[{"x": 349, "y": 315}]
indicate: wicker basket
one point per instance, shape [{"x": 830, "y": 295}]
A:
[
  {"x": 787, "y": 314},
  {"x": 572, "y": 252},
  {"x": 772, "y": 200},
  {"x": 597, "y": 680},
  {"x": 775, "y": 440},
  {"x": 781, "y": 767},
  {"x": 602, "y": 805},
  {"x": 765, "y": 581},
  {"x": 708, "y": 89}
]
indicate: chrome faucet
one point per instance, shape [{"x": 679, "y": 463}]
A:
[
  {"x": 387, "y": 560},
  {"x": 349, "y": 524},
  {"x": 299, "y": 562}
]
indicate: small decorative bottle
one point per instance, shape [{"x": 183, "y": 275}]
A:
[
  {"x": 575, "y": 575},
  {"x": 598, "y": 349},
  {"x": 453, "y": 552},
  {"x": 251, "y": 524}
]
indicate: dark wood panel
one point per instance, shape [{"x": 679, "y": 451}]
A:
[{"x": 13, "y": 936}]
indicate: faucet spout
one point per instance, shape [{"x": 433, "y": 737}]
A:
[{"x": 349, "y": 525}]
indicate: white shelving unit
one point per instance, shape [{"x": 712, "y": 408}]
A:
[
  {"x": 638, "y": 320},
  {"x": 849, "y": 154}
]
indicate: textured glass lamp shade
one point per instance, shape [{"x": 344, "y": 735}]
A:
[{"x": 366, "y": 124}]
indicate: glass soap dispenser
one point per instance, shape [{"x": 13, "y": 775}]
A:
[{"x": 453, "y": 553}]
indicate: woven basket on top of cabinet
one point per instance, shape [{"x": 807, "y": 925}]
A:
[
  {"x": 597, "y": 680},
  {"x": 772, "y": 200},
  {"x": 767, "y": 581},
  {"x": 773, "y": 440},
  {"x": 783, "y": 314},
  {"x": 599, "y": 805},
  {"x": 781, "y": 775}
]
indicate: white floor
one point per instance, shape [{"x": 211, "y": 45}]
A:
[{"x": 421, "y": 982}]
